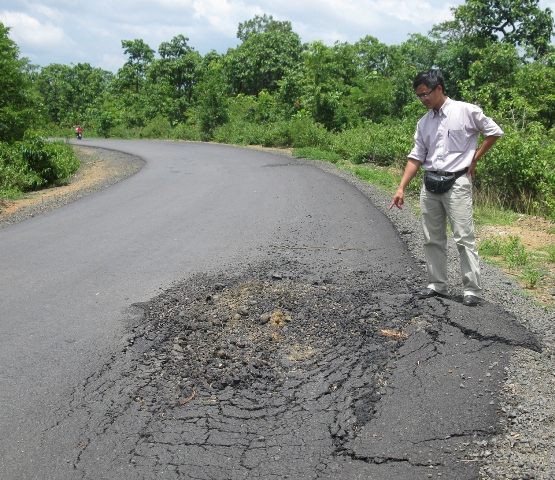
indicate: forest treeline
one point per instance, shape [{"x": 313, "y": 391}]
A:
[{"x": 350, "y": 101}]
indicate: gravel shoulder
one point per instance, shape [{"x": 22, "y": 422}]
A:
[{"x": 524, "y": 445}]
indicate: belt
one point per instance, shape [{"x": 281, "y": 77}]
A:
[{"x": 451, "y": 174}]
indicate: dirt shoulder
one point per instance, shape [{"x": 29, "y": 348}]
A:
[
  {"x": 538, "y": 237},
  {"x": 99, "y": 169}
]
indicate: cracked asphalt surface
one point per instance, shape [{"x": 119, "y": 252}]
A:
[{"x": 284, "y": 341}]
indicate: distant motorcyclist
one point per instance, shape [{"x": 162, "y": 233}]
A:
[{"x": 79, "y": 132}]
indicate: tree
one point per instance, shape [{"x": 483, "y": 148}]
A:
[
  {"x": 531, "y": 95},
  {"x": 175, "y": 74},
  {"x": 133, "y": 72},
  {"x": 17, "y": 102},
  {"x": 131, "y": 90},
  {"x": 324, "y": 80},
  {"x": 518, "y": 22},
  {"x": 372, "y": 55},
  {"x": 212, "y": 92},
  {"x": 491, "y": 74},
  {"x": 387, "y": 73},
  {"x": 56, "y": 90},
  {"x": 420, "y": 51},
  {"x": 69, "y": 92},
  {"x": 262, "y": 24},
  {"x": 269, "y": 48}
]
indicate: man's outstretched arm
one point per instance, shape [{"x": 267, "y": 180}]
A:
[{"x": 410, "y": 172}]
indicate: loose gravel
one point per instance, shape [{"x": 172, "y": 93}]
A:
[{"x": 522, "y": 448}]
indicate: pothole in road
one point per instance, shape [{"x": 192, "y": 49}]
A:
[
  {"x": 274, "y": 372},
  {"x": 257, "y": 331},
  {"x": 254, "y": 368}
]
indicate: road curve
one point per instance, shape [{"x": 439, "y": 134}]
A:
[{"x": 69, "y": 275}]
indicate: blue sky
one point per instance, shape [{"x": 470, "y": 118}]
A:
[{"x": 63, "y": 31}]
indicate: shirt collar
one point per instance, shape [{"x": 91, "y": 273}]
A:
[{"x": 442, "y": 112}]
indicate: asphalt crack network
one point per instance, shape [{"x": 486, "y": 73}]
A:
[{"x": 272, "y": 373}]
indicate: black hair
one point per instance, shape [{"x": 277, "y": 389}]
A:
[{"x": 431, "y": 78}]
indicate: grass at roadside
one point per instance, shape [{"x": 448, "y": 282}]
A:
[
  {"x": 524, "y": 247},
  {"x": 385, "y": 179}
]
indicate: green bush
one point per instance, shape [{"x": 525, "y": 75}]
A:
[
  {"x": 299, "y": 132},
  {"x": 520, "y": 169},
  {"x": 510, "y": 249},
  {"x": 382, "y": 144},
  {"x": 15, "y": 174},
  {"x": 240, "y": 133},
  {"x": 158, "y": 127},
  {"x": 251, "y": 108},
  {"x": 305, "y": 132},
  {"x": 186, "y": 131},
  {"x": 35, "y": 163},
  {"x": 121, "y": 131},
  {"x": 515, "y": 253},
  {"x": 491, "y": 247},
  {"x": 532, "y": 275},
  {"x": 53, "y": 130},
  {"x": 550, "y": 249},
  {"x": 54, "y": 162},
  {"x": 277, "y": 134},
  {"x": 353, "y": 145}
]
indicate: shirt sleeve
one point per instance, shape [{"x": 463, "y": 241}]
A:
[
  {"x": 419, "y": 151},
  {"x": 484, "y": 124}
]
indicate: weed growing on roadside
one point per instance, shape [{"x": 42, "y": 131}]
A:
[
  {"x": 515, "y": 253},
  {"x": 491, "y": 247},
  {"x": 528, "y": 267},
  {"x": 550, "y": 249},
  {"x": 379, "y": 177},
  {"x": 532, "y": 275},
  {"x": 510, "y": 249}
]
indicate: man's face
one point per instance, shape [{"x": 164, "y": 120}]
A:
[{"x": 431, "y": 98}]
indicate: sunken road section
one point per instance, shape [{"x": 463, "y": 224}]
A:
[{"x": 276, "y": 373}]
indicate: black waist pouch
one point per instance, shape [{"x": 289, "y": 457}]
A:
[{"x": 437, "y": 183}]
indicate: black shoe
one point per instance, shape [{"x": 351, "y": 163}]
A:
[
  {"x": 470, "y": 300},
  {"x": 428, "y": 293}
]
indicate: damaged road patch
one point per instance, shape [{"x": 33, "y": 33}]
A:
[
  {"x": 441, "y": 395},
  {"x": 279, "y": 376}
]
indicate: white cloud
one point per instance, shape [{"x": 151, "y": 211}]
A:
[
  {"x": 328, "y": 36},
  {"x": 415, "y": 13},
  {"x": 391, "y": 21},
  {"x": 174, "y": 5},
  {"x": 111, "y": 63},
  {"x": 224, "y": 16},
  {"x": 48, "y": 12},
  {"x": 30, "y": 33},
  {"x": 445, "y": 13},
  {"x": 64, "y": 31}
]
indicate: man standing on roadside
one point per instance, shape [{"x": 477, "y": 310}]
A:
[{"x": 445, "y": 145}]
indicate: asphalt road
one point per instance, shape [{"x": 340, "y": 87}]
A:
[{"x": 69, "y": 276}]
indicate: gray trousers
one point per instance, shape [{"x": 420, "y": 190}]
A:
[{"x": 455, "y": 205}]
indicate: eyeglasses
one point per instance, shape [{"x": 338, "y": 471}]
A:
[{"x": 424, "y": 96}]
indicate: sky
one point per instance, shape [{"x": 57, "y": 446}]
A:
[{"x": 71, "y": 32}]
